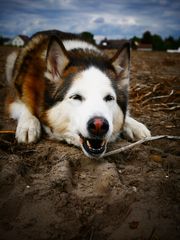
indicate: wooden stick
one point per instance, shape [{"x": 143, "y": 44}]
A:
[
  {"x": 122, "y": 149},
  {"x": 158, "y": 97},
  {"x": 168, "y": 109},
  {"x": 7, "y": 131}
]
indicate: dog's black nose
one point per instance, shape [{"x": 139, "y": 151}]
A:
[{"x": 98, "y": 126}]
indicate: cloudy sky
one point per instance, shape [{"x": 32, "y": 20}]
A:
[{"x": 104, "y": 18}]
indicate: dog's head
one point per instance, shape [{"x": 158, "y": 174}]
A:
[{"x": 89, "y": 96}]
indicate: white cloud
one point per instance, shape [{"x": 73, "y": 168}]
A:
[
  {"x": 163, "y": 2},
  {"x": 99, "y": 38},
  {"x": 34, "y": 24}
]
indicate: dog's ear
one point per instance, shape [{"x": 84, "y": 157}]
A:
[
  {"x": 121, "y": 63},
  {"x": 56, "y": 58}
]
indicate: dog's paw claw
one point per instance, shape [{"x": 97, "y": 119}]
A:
[
  {"x": 28, "y": 130},
  {"x": 134, "y": 130}
]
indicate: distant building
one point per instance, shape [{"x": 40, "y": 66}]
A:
[
  {"x": 112, "y": 43},
  {"x": 18, "y": 41},
  {"x": 144, "y": 47},
  {"x": 173, "y": 50}
]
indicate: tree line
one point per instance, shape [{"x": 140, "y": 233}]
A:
[
  {"x": 158, "y": 43},
  {"x": 3, "y": 40}
]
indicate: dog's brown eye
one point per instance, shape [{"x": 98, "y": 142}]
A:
[
  {"x": 108, "y": 98},
  {"x": 77, "y": 97}
]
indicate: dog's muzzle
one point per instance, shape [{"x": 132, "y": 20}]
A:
[{"x": 95, "y": 144}]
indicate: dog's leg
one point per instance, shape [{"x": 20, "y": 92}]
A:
[
  {"x": 28, "y": 128},
  {"x": 135, "y": 130}
]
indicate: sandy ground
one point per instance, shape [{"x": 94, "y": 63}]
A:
[{"x": 51, "y": 191}]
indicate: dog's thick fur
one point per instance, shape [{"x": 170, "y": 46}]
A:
[{"x": 68, "y": 87}]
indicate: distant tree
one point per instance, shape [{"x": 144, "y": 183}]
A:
[
  {"x": 158, "y": 43},
  {"x": 156, "y": 40},
  {"x": 147, "y": 37},
  {"x": 3, "y": 40},
  {"x": 171, "y": 43},
  {"x": 135, "y": 41},
  {"x": 89, "y": 37},
  {"x": 178, "y": 42}
]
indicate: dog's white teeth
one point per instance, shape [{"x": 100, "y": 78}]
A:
[
  {"x": 90, "y": 146},
  {"x": 88, "y": 143},
  {"x": 103, "y": 143}
]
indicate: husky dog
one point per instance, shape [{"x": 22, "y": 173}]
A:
[{"x": 69, "y": 88}]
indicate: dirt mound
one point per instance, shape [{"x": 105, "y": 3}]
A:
[{"x": 50, "y": 190}]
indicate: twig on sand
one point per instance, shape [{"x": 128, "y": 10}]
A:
[
  {"x": 122, "y": 149},
  {"x": 7, "y": 131},
  {"x": 158, "y": 97},
  {"x": 167, "y": 109}
]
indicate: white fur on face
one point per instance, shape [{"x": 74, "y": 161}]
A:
[{"x": 69, "y": 118}]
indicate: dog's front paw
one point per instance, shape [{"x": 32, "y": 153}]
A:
[
  {"x": 28, "y": 130},
  {"x": 135, "y": 130}
]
